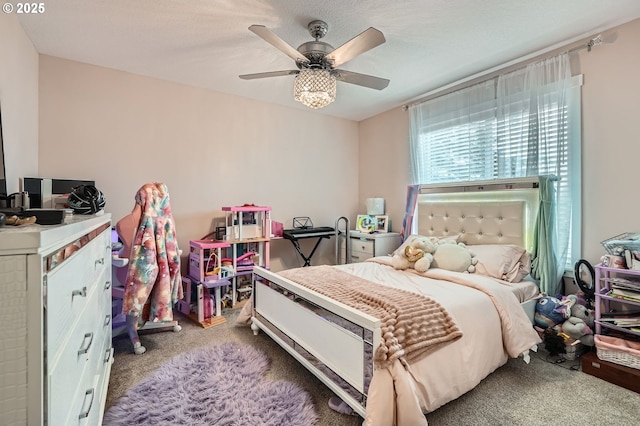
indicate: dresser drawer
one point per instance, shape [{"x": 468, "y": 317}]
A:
[
  {"x": 361, "y": 249},
  {"x": 103, "y": 340},
  {"x": 98, "y": 392},
  {"x": 362, "y": 246},
  {"x": 70, "y": 286},
  {"x": 78, "y": 358},
  {"x": 85, "y": 406},
  {"x": 98, "y": 387},
  {"x": 60, "y": 323},
  {"x": 360, "y": 256}
]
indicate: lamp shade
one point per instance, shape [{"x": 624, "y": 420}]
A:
[{"x": 375, "y": 206}]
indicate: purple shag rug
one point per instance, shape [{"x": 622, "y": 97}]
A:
[{"x": 217, "y": 385}]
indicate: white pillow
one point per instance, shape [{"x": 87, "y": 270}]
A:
[{"x": 508, "y": 262}]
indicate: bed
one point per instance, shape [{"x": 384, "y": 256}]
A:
[{"x": 377, "y": 363}]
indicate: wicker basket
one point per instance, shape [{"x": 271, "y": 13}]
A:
[{"x": 618, "y": 351}]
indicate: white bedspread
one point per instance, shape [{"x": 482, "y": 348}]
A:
[{"x": 494, "y": 327}]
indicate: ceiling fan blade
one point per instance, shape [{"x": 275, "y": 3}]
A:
[
  {"x": 270, "y": 37},
  {"x": 361, "y": 79},
  {"x": 268, "y": 74},
  {"x": 366, "y": 40}
]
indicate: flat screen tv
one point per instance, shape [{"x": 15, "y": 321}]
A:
[{"x": 3, "y": 176}]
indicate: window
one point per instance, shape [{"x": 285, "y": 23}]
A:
[{"x": 525, "y": 123}]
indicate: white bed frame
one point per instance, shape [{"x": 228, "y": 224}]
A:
[{"x": 336, "y": 342}]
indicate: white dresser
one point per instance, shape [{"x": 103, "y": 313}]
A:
[{"x": 55, "y": 339}]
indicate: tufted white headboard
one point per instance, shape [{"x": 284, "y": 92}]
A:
[
  {"x": 476, "y": 222},
  {"x": 496, "y": 214}
]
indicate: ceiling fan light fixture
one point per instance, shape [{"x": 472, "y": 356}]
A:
[{"x": 315, "y": 88}]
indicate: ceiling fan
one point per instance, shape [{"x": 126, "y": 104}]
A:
[{"x": 317, "y": 63}]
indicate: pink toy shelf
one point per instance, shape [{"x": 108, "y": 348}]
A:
[
  {"x": 202, "y": 301},
  {"x": 205, "y": 260}
]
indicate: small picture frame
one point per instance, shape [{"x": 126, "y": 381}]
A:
[
  {"x": 382, "y": 223},
  {"x": 366, "y": 223}
]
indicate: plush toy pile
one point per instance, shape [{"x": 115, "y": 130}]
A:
[
  {"x": 423, "y": 253},
  {"x": 567, "y": 316}
]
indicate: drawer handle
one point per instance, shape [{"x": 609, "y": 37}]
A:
[
  {"x": 85, "y": 414},
  {"x": 107, "y": 355},
  {"x": 107, "y": 320},
  {"x": 84, "y": 350},
  {"x": 82, "y": 292},
  {"x": 99, "y": 262},
  {"x": 107, "y": 285}
]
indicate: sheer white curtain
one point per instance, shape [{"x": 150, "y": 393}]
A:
[
  {"x": 452, "y": 136},
  {"x": 535, "y": 136},
  {"x": 520, "y": 124}
]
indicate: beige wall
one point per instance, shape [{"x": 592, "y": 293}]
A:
[
  {"x": 211, "y": 149},
  {"x": 610, "y": 142},
  {"x": 18, "y": 100},
  {"x": 611, "y": 138},
  {"x": 385, "y": 168}
]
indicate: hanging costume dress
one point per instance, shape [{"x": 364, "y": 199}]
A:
[{"x": 154, "y": 282}]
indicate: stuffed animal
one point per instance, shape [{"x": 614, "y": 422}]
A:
[
  {"x": 579, "y": 325},
  {"x": 418, "y": 254},
  {"x": 553, "y": 343},
  {"x": 551, "y": 311},
  {"x": 454, "y": 257}
]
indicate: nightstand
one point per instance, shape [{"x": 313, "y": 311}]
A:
[{"x": 364, "y": 245}]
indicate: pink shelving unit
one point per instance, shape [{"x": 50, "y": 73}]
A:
[
  {"x": 205, "y": 259},
  {"x": 202, "y": 301}
]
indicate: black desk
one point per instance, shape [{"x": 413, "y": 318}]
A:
[{"x": 296, "y": 234}]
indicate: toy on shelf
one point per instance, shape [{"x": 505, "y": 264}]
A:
[
  {"x": 207, "y": 271},
  {"x": 205, "y": 259},
  {"x": 247, "y": 222},
  {"x": 247, "y": 231},
  {"x": 199, "y": 305},
  {"x": 244, "y": 262}
]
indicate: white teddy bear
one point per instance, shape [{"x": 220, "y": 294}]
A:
[
  {"x": 454, "y": 257},
  {"x": 418, "y": 254}
]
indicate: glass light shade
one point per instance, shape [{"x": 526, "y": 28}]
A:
[{"x": 314, "y": 88}]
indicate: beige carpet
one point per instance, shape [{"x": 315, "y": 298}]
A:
[{"x": 516, "y": 394}]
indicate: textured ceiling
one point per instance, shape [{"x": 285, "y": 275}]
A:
[{"x": 206, "y": 43}]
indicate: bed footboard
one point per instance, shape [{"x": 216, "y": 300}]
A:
[{"x": 314, "y": 329}]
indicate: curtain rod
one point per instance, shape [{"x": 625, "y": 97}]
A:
[
  {"x": 502, "y": 69},
  {"x": 532, "y": 182}
]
